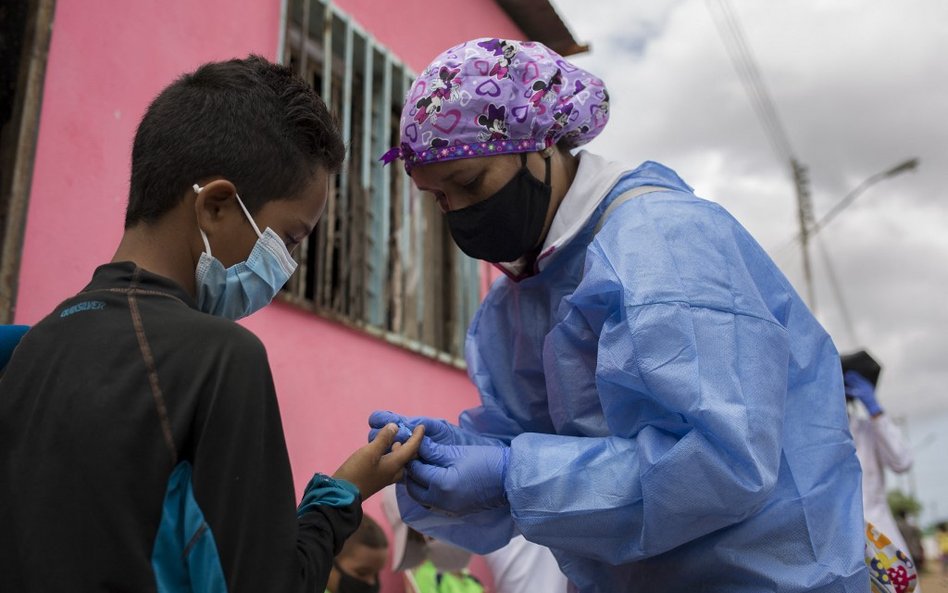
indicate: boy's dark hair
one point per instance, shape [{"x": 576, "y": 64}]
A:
[
  {"x": 369, "y": 534},
  {"x": 250, "y": 121}
]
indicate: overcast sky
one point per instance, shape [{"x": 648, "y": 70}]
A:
[{"x": 859, "y": 87}]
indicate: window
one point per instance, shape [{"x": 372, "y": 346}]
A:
[{"x": 381, "y": 258}]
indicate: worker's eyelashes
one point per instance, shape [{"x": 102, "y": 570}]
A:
[{"x": 474, "y": 182}]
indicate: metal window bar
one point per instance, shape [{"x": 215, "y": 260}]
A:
[
  {"x": 384, "y": 190},
  {"x": 341, "y": 301},
  {"x": 381, "y": 259},
  {"x": 378, "y": 213},
  {"x": 368, "y": 77},
  {"x": 420, "y": 229},
  {"x": 302, "y": 55},
  {"x": 466, "y": 284},
  {"x": 326, "y": 229},
  {"x": 402, "y": 242}
]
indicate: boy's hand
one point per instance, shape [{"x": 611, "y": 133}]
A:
[
  {"x": 440, "y": 431},
  {"x": 371, "y": 468}
]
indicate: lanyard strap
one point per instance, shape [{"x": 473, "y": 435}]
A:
[{"x": 632, "y": 193}]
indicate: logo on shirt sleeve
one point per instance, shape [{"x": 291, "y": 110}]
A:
[{"x": 83, "y": 306}]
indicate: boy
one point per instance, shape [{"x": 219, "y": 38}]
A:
[{"x": 141, "y": 446}]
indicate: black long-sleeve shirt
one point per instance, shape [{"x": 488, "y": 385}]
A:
[{"x": 141, "y": 449}]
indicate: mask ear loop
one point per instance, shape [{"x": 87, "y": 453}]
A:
[
  {"x": 198, "y": 189},
  {"x": 250, "y": 218},
  {"x": 207, "y": 246},
  {"x": 547, "y": 154}
]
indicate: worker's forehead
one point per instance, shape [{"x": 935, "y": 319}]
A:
[
  {"x": 453, "y": 170},
  {"x": 448, "y": 167}
]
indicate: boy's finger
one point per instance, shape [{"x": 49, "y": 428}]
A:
[
  {"x": 409, "y": 448},
  {"x": 384, "y": 439},
  {"x": 404, "y": 433},
  {"x": 380, "y": 418}
]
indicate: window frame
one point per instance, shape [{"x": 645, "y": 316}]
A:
[{"x": 400, "y": 276}]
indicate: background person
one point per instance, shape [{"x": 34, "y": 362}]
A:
[
  {"x": 356, "y": 568},
  {"x": 879, "y": 442},
  {"x": 524, "y": 567},
  {"x": 428, "y": 565}
]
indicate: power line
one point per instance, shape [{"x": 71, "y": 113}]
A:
[
  {"x": 745, "y": 64},
  {"x": 837, "y": 290},
  {"x": 742, "y": 58},
  {"x": 732, "y": 34}
]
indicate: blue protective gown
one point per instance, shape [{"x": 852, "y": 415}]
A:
[{"x": 675, "y": 413}]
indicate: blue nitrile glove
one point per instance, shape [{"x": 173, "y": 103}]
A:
[
  {"x": 862, "y": 389},
  {"x": 440, "y": 431},
  {"x": 458, "y": 479}
]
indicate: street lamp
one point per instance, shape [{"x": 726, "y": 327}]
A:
[
  {"x": 909, "y": 165},
  {"x": 807, "y": 230}
]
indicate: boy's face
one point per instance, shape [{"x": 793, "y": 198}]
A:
[
  {"x": 360, "y": 562},
  {"x": 292, "y": 219}
]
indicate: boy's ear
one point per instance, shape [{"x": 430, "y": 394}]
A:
[{"x": 214, "y": 203}]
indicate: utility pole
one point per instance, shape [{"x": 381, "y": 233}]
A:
[{"x": 805, "y": 214}]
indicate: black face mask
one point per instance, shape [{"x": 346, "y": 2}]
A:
[
  {"x": 508, "y": 224},
  {"x": 350, "y": 584}
]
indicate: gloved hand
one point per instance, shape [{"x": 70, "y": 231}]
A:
[
  {"x": 458, "y": 479},
  {"x": 440, "y": 431},
  {"x": 862, "y": 389}
]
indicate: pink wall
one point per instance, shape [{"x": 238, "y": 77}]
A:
[
  {"x": 107, "y": 61},
  {"x": 418, "y": 30},
  {"x": 105, "y": 65},
  {"x": 330, "y": 378}
]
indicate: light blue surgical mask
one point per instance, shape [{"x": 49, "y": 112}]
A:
[{"x": 248, "y": 286}]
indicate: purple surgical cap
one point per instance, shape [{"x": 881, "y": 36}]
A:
[{"x": 498, "y": 96}]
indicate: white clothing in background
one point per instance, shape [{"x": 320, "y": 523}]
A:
[
  {"x": 525, "y": 567},
  {"x": 880, "y": 444}
]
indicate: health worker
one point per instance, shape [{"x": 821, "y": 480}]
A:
[{"x": 659, "y": 407}]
